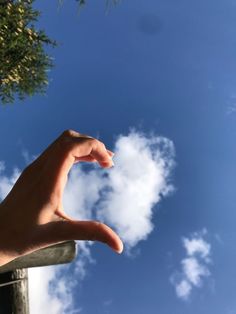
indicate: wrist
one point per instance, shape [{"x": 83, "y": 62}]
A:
[{"x": 7, "y": 253}]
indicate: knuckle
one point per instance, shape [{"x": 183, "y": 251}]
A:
[
  {"x": 102, "y": 145},
  {"x": 66, "y": 138},
  {"x": 69, "y": 133},
  {"x": 93, "y": 142}
]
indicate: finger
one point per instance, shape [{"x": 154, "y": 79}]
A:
[
  {"x": 110, "y": 153},
  {"x": 65, "y": 151},
  {"x": 100, "y": 153},
  {"x": 80, "y": 230},
  {"x": 92, "y": 159},
  {"x": 98, "y": 150},
  {"x": 79, "y": 147},
  {"x": 86, "y": 158}
]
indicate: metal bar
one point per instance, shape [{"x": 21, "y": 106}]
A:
[
  {"x": 56, "y": 254},
  {"x": 9, "y": 283}
]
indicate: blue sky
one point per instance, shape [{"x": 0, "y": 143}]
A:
[{"x": 165, "y": 68}]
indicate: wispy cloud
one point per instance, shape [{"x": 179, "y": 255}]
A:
[
  {"x": 124, "y": 197},
  {"x": 195, "y": 265},
  {"x": 231, "y": 105},
  {"x": 231, "y": 109},
  {"x": 7, "y": 181}
]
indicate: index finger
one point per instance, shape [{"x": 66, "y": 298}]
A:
[
  {"x": 83, "y": 146},
  {"x": 72, "y": 146}
]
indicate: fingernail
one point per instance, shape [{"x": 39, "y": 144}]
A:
[{"x": 120, "y": 250}]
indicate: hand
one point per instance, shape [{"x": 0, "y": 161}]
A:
[{"x": 32, "y": 215}]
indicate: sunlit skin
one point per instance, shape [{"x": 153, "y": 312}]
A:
[{"x": 32, "y": 215}]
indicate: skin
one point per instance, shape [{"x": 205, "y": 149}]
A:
[{"x": 32, "y": 215}]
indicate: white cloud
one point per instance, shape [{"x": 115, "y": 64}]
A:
[
  {"x": 183, "y": 289},
  {"x": 194, "y": 265},
  {"x": 136, "y": 184},
  {"x": 196, "y": 246},
  {"x": 194, "y": 270},
  {"x": 84, "y": 258},
  {"x": 124, "y": 197},
  {"x": 82, "y": 192},
  {"x": 50, "y": 290}
]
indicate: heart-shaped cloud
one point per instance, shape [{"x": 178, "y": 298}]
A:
[{"x": 126, "y": 195}]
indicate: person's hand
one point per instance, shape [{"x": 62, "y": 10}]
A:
[{"x": 32, "y": 215}]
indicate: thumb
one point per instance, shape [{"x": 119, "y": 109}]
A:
[{"x": 59, "y": 231}]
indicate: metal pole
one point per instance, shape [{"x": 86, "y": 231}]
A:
[
  {"x": 14, "y": 292},
  {"x": 14, "y": 276}
]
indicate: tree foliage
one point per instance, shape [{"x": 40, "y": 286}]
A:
[{"x": 23, "y": 61}]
